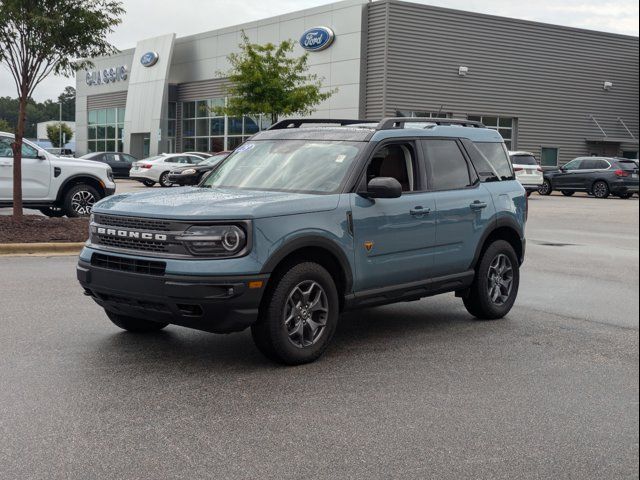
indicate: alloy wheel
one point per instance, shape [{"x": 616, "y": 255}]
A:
[
  {"x": 600, "y": 190},
  {"x": 544, "y": 188},
  {"x": 305, "y": 314},
  {"x": 82, "y": 202},
  {"x": 500, "y": 279}
]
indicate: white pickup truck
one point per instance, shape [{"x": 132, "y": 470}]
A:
[{"x": 56, "y": 186}]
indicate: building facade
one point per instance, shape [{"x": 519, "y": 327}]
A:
[{"x": 558, "y": 92}]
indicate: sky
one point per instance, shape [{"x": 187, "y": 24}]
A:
[{"x": 145, "y": 18}]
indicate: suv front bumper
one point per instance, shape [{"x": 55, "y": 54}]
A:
[{"x": 212, "y": 304}]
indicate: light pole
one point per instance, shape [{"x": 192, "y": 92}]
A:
[{"x": 60, "y": 128}]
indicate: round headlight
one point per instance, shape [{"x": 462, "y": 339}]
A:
[{"x": 231, "y": 240}]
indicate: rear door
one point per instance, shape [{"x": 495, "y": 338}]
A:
[{"x": 464, "y": 207}]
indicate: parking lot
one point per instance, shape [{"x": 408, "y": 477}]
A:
[{"x": 416, "y": 390}]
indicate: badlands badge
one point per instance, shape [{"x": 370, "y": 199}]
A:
[{"x": 368, "y": 245}]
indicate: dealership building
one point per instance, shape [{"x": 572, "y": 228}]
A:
[{"x": 556, "y": 91}]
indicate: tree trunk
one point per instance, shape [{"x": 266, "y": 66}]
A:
[{"x": 17, "y": 157}]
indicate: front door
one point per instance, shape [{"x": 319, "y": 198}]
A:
[
  {"x": 464, "y": 206},
  {"x": 36, "y": 172},
  {"x": 394, "y": 237},
  {"x": 569, "y": 176}
]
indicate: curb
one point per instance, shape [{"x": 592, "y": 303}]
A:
[{"x": 40, "y": 248}]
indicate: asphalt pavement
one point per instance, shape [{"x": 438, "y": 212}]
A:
[{"x": 416, "y": 390}]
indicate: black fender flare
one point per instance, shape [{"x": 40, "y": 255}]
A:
[
  {"x": 500, "y": 222},
  {"x": 80, "y": 176},
  {"x": 311, "y": 241}
]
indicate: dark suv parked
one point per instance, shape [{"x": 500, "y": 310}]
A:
[{"x": 598, "y": 176}]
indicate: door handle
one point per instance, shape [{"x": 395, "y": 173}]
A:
[
  {"x": 417, "y": 211},
  {"x": 478, "y": 205}
]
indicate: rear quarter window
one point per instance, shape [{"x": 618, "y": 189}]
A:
[{"x": 497, "y": 156}]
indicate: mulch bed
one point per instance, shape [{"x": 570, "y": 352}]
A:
[{"x": 35, "y": 229}]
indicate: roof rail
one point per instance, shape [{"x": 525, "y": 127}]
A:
[
  {"x": 398, "y": 122},
  {"x": 298, "y": 122}
]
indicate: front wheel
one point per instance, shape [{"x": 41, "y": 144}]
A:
[
  {"x": 601, "y": 189},
  {"x": 135, "y": 325},
  {"x": 545, "y": 188},
  {"x": 298, "y": 316},
  {"x": 567, "y": 193},
  {"x": 79, "y": 200},
  {"x": 495, "y": 286},
  {"x": 164, "y": 180}
]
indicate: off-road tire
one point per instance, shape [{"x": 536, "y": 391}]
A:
[
  {"x": 478, "y": 302},
  {"x": 81, "y": 192},
  {"x": 270, "y": 333},
  {"x": 135, "y": 325}
]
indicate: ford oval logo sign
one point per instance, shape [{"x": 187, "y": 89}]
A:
[
  {"x": 316, "y": 39},
  {"x": 149, "y": 59}
]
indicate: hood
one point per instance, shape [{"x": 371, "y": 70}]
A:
[
  {"x": 188, "y": 203},
  {"x": 78, "y": 162}
]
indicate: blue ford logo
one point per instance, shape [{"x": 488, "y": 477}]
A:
[
  {"x": 149, "y": 59},
  {"x": 316, "y": 39}
]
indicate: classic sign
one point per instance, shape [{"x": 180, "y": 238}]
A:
[
  {"x": 317, "y": 38},
  {"x": 107, "y": 75},
  {"x": 149, "y": 59}
]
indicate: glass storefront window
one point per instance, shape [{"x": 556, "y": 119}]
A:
[
  {"x": 93, "y": 117},
  {"x": 217, "y": 126},
  {"x": 202, "y": 127},
  {"x": 217, "y": 144},
  {"x": 504, "y": 125},
  {"x": 105, "y": 130}
]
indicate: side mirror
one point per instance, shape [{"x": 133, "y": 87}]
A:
[
  {"x": 41, "y": 156},
  {"x": 383, "y": 187}
]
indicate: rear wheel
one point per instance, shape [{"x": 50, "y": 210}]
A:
[
  {"x": 52, "y": 212},
  {"x": 545, "y": 188},
  {"x": 298, "y": 316},
  {"x": 567, "y": 193},
  {"x": 135, "y": 325},
  {"x": 164, "y": 180},
  {"x": 495, "y": 286},
  {"x": 79, "y": 200},
  {"x": 601, "y": 189},
  {"x": 148, "y": 183}
]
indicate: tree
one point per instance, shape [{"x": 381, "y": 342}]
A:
[
  {"x": 68, "y": 100},
  {"x": 59, "y": 134},
  {"x": 267, "y": 79},
  {"x": 41, "y": 37},
  {"x": 5, "y": 126}
]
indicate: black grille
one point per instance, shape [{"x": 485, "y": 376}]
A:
[
  {"x": 133, "y": 244},
  {"x": 134, "y": 223},
  {"x": 134, "y": 302},
  {"x": 133, "y": 265}
]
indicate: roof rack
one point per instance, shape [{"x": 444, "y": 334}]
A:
[
  {"x": 398, "y": 122},
  {"x": 298, "y": 122}
]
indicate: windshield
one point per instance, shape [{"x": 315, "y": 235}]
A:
[
  {"x": 524, "y": 160},
  {"x": 310, "y": 166},
  {"x": 212, "y": 160}
]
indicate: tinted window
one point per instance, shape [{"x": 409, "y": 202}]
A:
[
  {"x": 127, "y": 158},
  {"x": 602, "y": 164},
  {"x": 573, "y": 164},
  {"x": 589, "y": 164},
  {"x": 627, "y": 165},
  {"x": 524, "y": 160},
  {"x": 111, "y": 157},
  {"x": 448, "y": 167},
  {"x": 498, "y": 157},
  {"x": 5, "y": 147},
  {"x": 194, "y": 160}
]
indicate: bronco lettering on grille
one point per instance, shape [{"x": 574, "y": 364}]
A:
[{"x": 112, "y": 232}]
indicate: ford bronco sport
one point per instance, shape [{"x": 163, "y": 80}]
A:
[{"x": 307, "y": 220}]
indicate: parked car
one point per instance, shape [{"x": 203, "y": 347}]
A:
[
  {"x": 598, "y": 176},
  {"x": 201, "y": 154},
  {"x": 119, "y": 162},
  {"x": 300, "y": 224},
  {"x": 193, "y": 174},
  {"x": 56, "y": 186},
  {"x": 156, "y": 169},
  {"x": 528, "y": 171}
]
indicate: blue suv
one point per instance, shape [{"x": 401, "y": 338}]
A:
[{"x": 309, "y": 219}]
